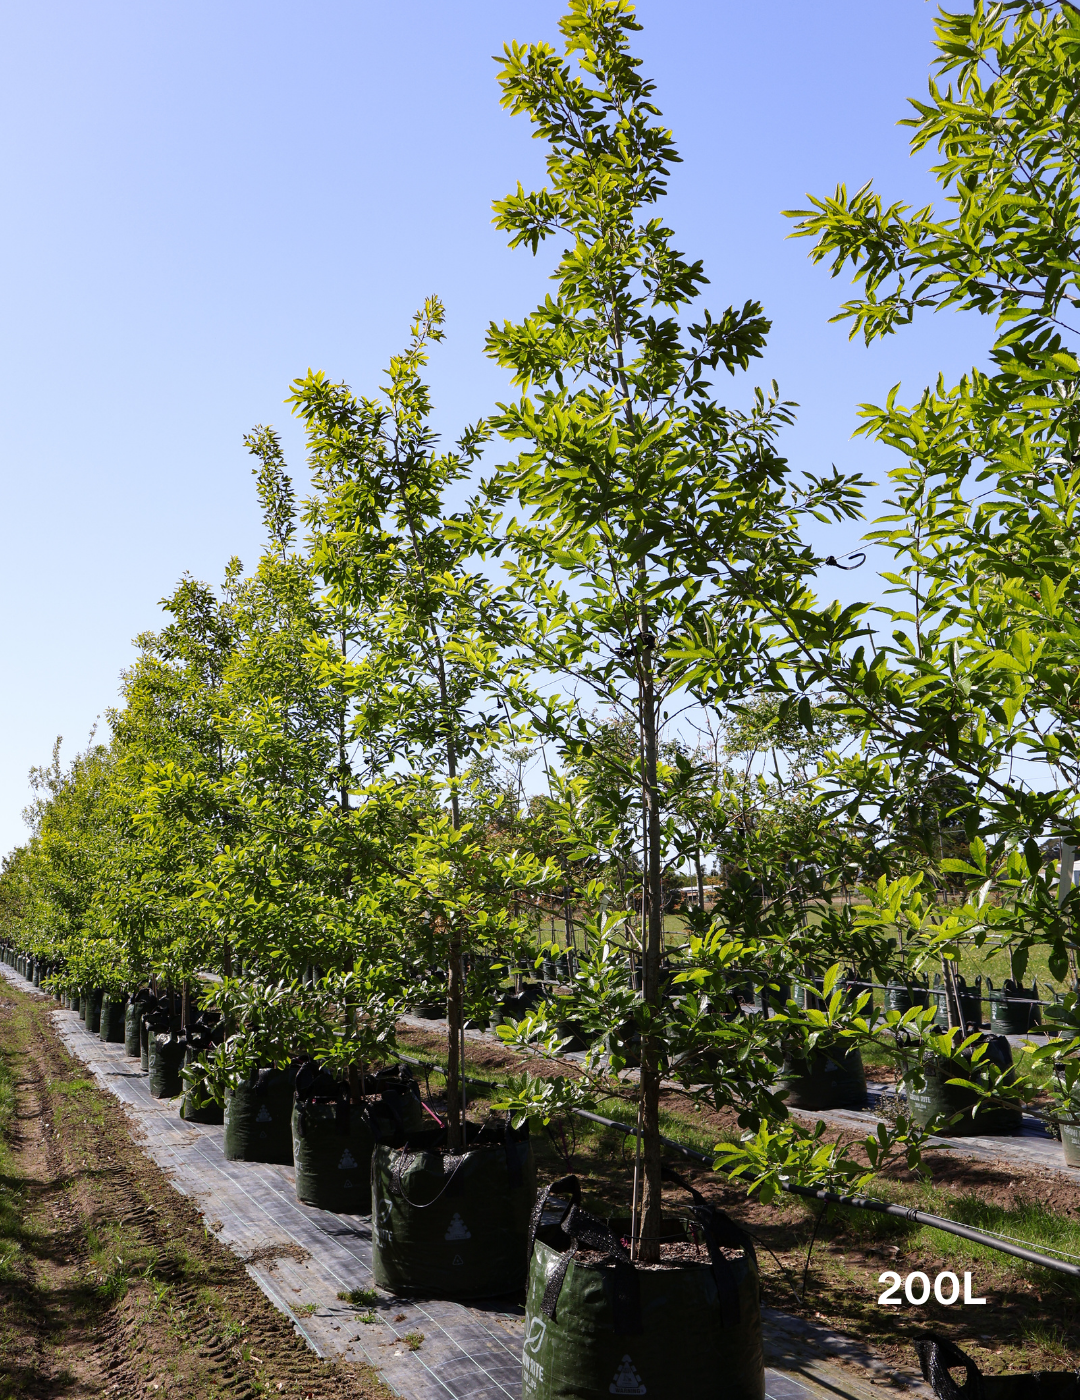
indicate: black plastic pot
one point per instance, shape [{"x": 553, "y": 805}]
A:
[
  {"x": 113, "y": 1012},
  {"x": 166, "y": 1055},
  {"x": 830, "y": 1079},
  {"x": 940, "y": 1099},
  {"x": 75, "y": 1002},
  {"x": 937, "y": 1356},
  {"x": 597, "y": 1329},
  {"x": 453, "y": 1227},
  {"x": 258, "y": 1118},
  {"x": 1014, "y": 1010},
  {"x": 93, "y": 1009}
]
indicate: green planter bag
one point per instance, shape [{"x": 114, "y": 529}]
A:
[
  {"x": 133, "y": 1014},
  {"x": 902, "y": 996},
  {"x": 940, "y": 1098},
  {"x": 970, "y": 1002},
  {"x": 606, "y": 1327},
  {"x": 333, "y": 1139},
  {"x": 258, "y": 1118},
  {"x": 166, "y": 1055},
  {"x": 113, "y": 1014},
  {"x": 453, "y": 1227},
  {"x": 208, "y": 1112},
  {"x": 829, "y": 1079},
  {"x": 1014, "y": 1010},
  {"x": 93, "y": 1010}
]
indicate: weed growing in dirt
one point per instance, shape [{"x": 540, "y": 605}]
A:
[{"x": 359, "y": 1297}]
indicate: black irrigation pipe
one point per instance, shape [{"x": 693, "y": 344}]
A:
[{"x": 914, "y": 1217}]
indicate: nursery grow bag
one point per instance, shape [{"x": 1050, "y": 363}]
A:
[
  {"x": 1070, "y": 1141},
  {"x": 597, "y": 1329},
  {"x": 37, "y": 973},
  {"x": 447, "y": 1226},
  {"x": 258, "y": 1118},
  {"x": 93, "y": 1009},
  {"x": 333, "y": 1139},
  {"x": 902, "y": 996},
  {"x": 939, "y": 1097},
  {"x": 772, "y": 995},
  {"x": 113, "y": 1016},
  {"x": 1014, "y": 1010},
  {"x": 970, "y": 1002},
  {"x": 133, "y": 1014},
  {"x": 208, "y": 1112},
  {"x": 937, "y": 1354},
  {"x": 829, "y": 1079},
  {"x": 166, "y": 1055},
  {"x": 75, "y": 1003}
]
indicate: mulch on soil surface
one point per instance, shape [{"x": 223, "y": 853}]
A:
[
  {"x": 1031, "y": 1319},
  {"x": 109, "y": 1282}
]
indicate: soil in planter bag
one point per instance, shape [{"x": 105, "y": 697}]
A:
[
  {"x": 603, "y": 1327},
  {"x": 829, "y": 1079},
  {"x": 445, "y": 1226},
  {"x": 937, "y": 1355},
  {"x": 258, "y": 1118},
  {"x": 939, "y": 1097},
  {"x": 113, "y": 1010},
  {"x": 166, "y": 1055}
]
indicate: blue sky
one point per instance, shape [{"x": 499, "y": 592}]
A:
[{"x": 203, "y": 200}]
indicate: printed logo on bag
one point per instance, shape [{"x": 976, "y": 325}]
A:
[
  {"x": 627, "y": 1381},
  {"x": 537, "y": 1333},
  {"x": 458, "y": 1259},
  {"x": 262, "y": 1116},
  {"x": 458, "y": 1229},
  {"x": 348, "y": 1161}
]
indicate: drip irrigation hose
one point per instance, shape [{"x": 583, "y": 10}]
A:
[{"x": 914, "y": 1217}]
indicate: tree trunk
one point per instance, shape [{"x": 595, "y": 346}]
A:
[
  {"x": 652, "y": 1198},
  {"x": 700, "y": 881},
  {"x": 454, "y": 1014}
]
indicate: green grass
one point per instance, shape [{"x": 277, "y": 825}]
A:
[
  {"x": 12, "y": 1197},
  {"x": 359, "y": 1297}
]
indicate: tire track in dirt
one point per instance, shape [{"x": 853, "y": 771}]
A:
[{"x": 196, "y": 1324}]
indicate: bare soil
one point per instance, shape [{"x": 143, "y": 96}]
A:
[{"x": 109, "y": 1283}]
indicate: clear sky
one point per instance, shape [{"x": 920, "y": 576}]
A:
[{"x": 202, "y": 200}]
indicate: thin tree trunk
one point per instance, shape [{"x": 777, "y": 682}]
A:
[
  {"x": 652, "y": 1198},
  {"x": 700, "y": 881}
]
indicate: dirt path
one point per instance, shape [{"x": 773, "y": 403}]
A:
[{"x": 109, "y": 1283}]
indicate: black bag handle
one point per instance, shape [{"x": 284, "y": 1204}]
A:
[
  {"x": 589, "y": 1230},
  {"x": 718, "y": 1229},
  {"x": 936, "y": 1354}
]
